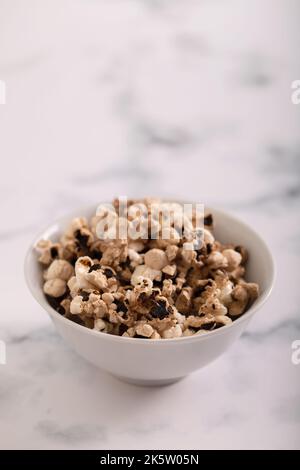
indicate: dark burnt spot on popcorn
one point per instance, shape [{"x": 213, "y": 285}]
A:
[
  {"x": 85, "y": 295},
  {"x": 159, "y": 310},
  {"x": 143, "y": 297},
  {"x": 96, "y": 254},
  {"x": 73, "y": 260},
  {"x": 78, "y": 320},
  {"x": 109, "y": 273},
  {"x": 208, "y": 326},
  {"x": 208, "y": 248},
  {"x": 139, "y": 336},
  {"x": 198, "y": 291},
  {"x": 218, "y": 325},
  {"x": 201, "y": 250},
  {"x": 122, "y": 281},
  {"x": 155, "y": 292},
  {"x": 54, "y": 252},
  {"x": 55, "y": 301},
  {"x": 82, "y": 239},
  {"x": 61, "y": 310},
  {"x": 208, "y": 220},
  {"x": 125, "y": 264},
  {"x": 232, "y": 317},
  {"x": 122, "y": 329},
  {"x": 95, "y": 267},
  {"x": 121, "y": 307}
]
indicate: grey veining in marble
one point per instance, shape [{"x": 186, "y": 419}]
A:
[{"x": 187, "y": 99}]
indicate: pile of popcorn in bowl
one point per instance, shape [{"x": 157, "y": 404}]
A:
[{"x": 145, "y": 287}]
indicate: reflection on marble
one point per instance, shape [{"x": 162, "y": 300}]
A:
[{"x": 179, "y": 99}]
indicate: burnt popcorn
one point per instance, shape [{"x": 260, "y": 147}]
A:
[
  {"x": 95, "y": 267},
  {"x": 82, "y": 239},
  {"x": 109, "y": 273},
  {"x": 54, "y": 252},
  {"x": 159, "y": 310},
  {"x": 121, "y": 307},
  {"x": 145, "y": 288},
  {"x": 85, "y": 296},
  {"x": 208, "y": 220}
]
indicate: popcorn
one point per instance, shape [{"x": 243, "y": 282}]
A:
[
  {"x": 233, "y": 258},
  {"x": 183, "y": 302},
  {"x": 156, "y": 259},
  {"x": 97, "y": 279},
  {"x": 100, "y": 325},
  {"x": 82, "y": 267},
  {"x": 59, "y": 269},
  {"x": 144, "y": 285},
  {"x": 155, "y": 335},
  {"x": 217, "y": 260},
  {"x": 134, "y": 257},
  {"x": 171, "y": 252},
  {"x": 76, "y": 306},
  {"x": 242, "y": 295},
  {"x": 139, "y": 288},
  {"x": 145, "y": 330},
  {"x": 73, "y": 286},
  {"x": 144, "y": 271},
  {"x": 48, "y": 251},
  {"x": 170, "y": 269},
  {"x": 108, "y": 298},
  {"x": 173, "y": 332},
  {"x": 55, "y": 287},
  {"x": 188, "y": 332}
]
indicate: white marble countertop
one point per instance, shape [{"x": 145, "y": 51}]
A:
[{"x": 173, "y": 98}]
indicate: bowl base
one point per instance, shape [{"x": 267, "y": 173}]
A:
[{"x": 149, "y": 382}]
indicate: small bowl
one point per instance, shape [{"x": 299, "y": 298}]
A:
[{"x": 164, "y": 361}]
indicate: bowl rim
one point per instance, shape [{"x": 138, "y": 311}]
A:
[{"x": 109, "y": 337}]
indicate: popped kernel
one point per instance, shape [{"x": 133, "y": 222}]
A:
[
  {"x": 55, "y": 287},
  {"x": 156, "y": 259},
  {"x": 59, "y": 269},
  {"x": 233, "y": 258}
]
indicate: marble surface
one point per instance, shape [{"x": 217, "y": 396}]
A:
[{"x": 157, "y": 97}]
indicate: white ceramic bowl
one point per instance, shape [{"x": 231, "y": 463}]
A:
[{"x": 158, "y": 362}]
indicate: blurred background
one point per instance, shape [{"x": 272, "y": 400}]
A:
[{"x": 187, "y": 99}]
